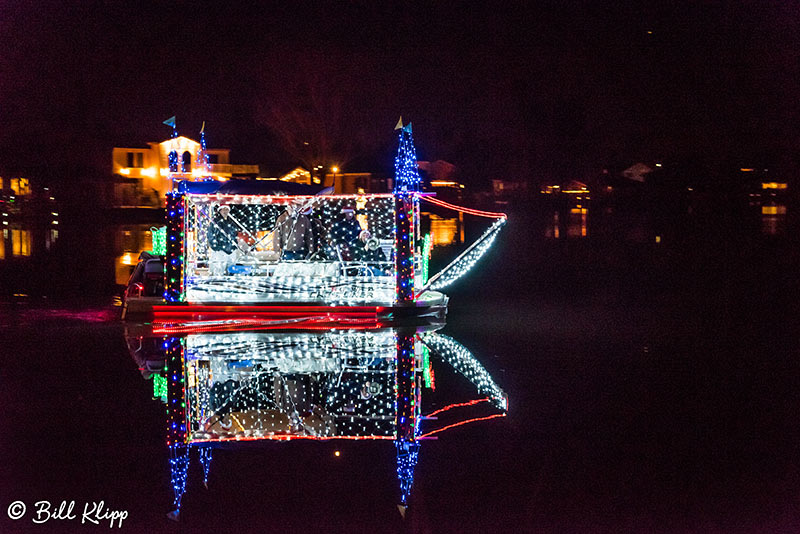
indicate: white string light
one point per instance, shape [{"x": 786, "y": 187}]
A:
[
  {"x": 462, "y": 265},
  {"x": 463, "y": 361}
]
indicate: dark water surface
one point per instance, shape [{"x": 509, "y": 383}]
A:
[{"x": 652, "y": 388}]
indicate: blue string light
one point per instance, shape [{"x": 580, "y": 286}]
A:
[
  {"x": 205, "y": 461},
  {"x": 179, "y": 468},
  {"x": 407, "y": 176},
  {"x": 407, "y": 456},
  {"x": 173, "y": 291},
  {"x": 202, "y": 155}
]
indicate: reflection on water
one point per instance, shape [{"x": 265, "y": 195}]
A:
[
  {"x": 30, "y": 219},
  {"x": 648, "y": 220},
  {"x": 222, "y": 389},
  {"x": 576, "y": 226},
  {"x": 773, "y": 219},
  {"x": 446, "y": 230},
  {"x": 576, "y": 223},
  {"x": 130, "y": 240}
]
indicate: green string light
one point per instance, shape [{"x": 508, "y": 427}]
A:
[
  {"x": 159, "y": 236},
  {"x": 426, "y": 256}
]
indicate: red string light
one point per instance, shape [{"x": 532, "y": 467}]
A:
[
  {"x": 289, "y": 437},
  {"x": 479, "y": 213},
  {"x": 458, "y": 405},
  {"x": 432, "y": 432},
  {"x": 305, "y": 323}
]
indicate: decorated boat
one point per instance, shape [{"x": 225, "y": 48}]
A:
[{"x": 252, "y": 252}]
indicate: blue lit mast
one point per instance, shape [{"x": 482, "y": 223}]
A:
[
  {"x": 202, "y": 155},
  {"x": 406, "y": 187},
  {"x": 407, "y": 413},
  {"x": 176, "y": 421}
]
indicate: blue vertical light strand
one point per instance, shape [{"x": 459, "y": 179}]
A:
[
  {"x": 172, "y": 157},
  {"x": 407, "y": 412},
  {"x": 179, "y": 470},
  {"x": 406, "y": 172},
  {"x": 176, "y": 419},
  {"x": 404, "y": 247},
  {"x": 205, "y": 461},
  {"x": 202, "y": 154},
  {"x": 173, "y": 283}
]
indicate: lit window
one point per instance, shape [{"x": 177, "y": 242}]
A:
[
  {"x": 20, "y": 186},
  {"x": 21, "y": 242},
  {"x": 186, "y": 162}
]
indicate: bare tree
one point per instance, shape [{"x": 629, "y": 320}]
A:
[{"x": 311, "y": 102}]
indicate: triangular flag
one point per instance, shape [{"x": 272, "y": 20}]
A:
[
  {"x": 203, "y": 127},
  {"x": 407, "y": 128},
  {"x": 170, "y": 121},
  {"x": 402, "y": 509},
  {"x": 399, "y": 125}
]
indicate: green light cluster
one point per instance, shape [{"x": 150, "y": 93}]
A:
[
  {"x": 159, "y": 236},
  {"x": 426, "y": 257},
  {"x": 160, "y": 387}
]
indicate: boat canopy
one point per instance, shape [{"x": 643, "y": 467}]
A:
[{"x": 247, "y": 187}]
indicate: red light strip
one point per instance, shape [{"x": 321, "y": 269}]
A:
[
  {"x": 290, "y": 437},
  {"x": 479, "y": 213},
  {"x": 306, "y": 323},
  {"x": 232, "y": 198},
  {"x": 451, "y": 406},
  {"x": 182, "y": 310},
  {"x": 432, "y": 432}
]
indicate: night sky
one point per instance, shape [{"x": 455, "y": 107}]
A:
[{"x": 534, "y": 91}]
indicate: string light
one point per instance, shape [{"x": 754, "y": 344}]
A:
[
  {"x": 176, "y": 391},
  {"x": 159, "y": 238},
  {"x": 407, "y": 457},
  {"x": 175, "y": 248},
  {"x": 479, "y": 213},
  {"x": 160, "y": 388},
  {"x": 407, "y": 176},
  {"x": 405, "y": 382},
  {"x": 325, "y": 277},
  {"x": 427, "y": 245},
  {"x": 463, "y": 361},
  {"x": 462, "y": 265},
  {"x": 205, "y": 461},
  {"x": 330, "y": 385},
  {"x": 462, "y": 423},
  {"x": 404, "y": 247},
  {"x": 179, "y": 469},
  {"x": 456, "y": 405},
  {"x": 202, "y": 155}
]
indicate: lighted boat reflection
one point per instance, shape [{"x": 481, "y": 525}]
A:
[{"x": 224, "y": 389}]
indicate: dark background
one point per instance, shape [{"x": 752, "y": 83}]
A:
[{"x": 543, "y": 91}]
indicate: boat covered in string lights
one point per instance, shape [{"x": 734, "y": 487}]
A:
[{"x": 256, "y": 252}]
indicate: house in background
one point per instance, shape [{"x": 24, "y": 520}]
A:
[
  {"x": 29, "y": 218},
  {"x": 143, "y": 175}
]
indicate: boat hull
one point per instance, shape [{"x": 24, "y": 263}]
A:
[{"x": 289, "y": 314}]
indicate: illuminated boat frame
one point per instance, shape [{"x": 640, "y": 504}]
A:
[{"x": 384, "y": 276}]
